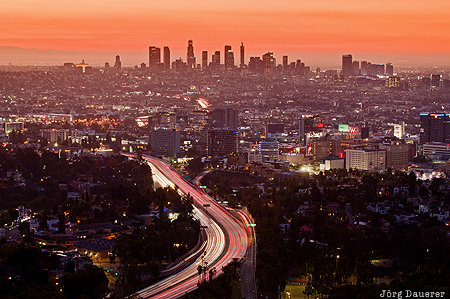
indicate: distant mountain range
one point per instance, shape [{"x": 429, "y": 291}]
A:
[{"x": 24, "y": 56}]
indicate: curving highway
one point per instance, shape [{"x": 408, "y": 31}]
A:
[{"x": 226, "y": 237}]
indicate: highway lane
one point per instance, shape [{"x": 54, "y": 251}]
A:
[
  {"x": 248, "y": 279},
  {"x": 226, "y": 237}
]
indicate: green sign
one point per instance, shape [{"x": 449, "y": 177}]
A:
[
  {"x": 344, "y": 128},
  {"x": 203, "y": 187},
  {"x": 206, "y": 205}
]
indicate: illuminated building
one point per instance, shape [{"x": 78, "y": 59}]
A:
[
  {"x": 154, "y": 58},
  {"x": 229, "y": 57},
  {"x": 309, "y": 125},
  {"x": 347, "y": 65},
  {"x": 269, "y": 151},
  {"x": 399, "y": 130},
  {"x": 365, "y": 159},
  {"x": 13, "y": 127},
  {"x": 190, "y": 55},
  {"x": 222, "y": 142},
  {"x": 165, "y": 142},
  {"x": 434, "y": 127},
  {"x": 392, "y": 82},
  {"x": 55, "y": 135},
  {"x": 166, "y": 58},
  {"x": 269, "y": 63},
  {"x": 389, "y": 69},
  {"x": 204, "y": 59},
  {"x": 242, "y": 57},
  {"x": 437, "y": 151}
]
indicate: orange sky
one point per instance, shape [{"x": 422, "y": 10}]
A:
[{"x": 383, "y": 27}]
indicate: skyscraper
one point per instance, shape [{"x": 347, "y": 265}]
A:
[
  {"x": 363, "y": 67},
  {"x": 216, "y": 58},
  {"x": 204, "y": 59},
  {"x": 269, "y": 63},
  {"x": 347, "y": 65},
  {"x": 154, "y": 58},
  {"x": 166, "y": 58},
  {"x": 285, "y": 62},
  {"x": 434, "y": 127},
  {"x": 165, "y": 142},
  {"x": 355, "y": 68},
  {"x": 118, "y": 63},
  {"x": 389, "y": 69},
  {"x": 229, "y": 57},
  {"x": 222, "y": 142},
  {"x": 242, "y": 58},
  {"x": 190, "y": 54}
]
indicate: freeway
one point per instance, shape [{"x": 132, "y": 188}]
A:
[{"x": 226, "y": 237}]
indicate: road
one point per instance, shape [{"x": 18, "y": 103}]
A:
[
  {"x": 226, "y": 237},
  {"x": 248, "y": 279}
]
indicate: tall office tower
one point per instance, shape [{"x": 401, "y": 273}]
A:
[
  {"x": 229, "y": 57},
  {"x": 222, "y": 142},
  {"x": 398, "y": 156},
  {"x": 434, "y": 127},
  {"x": 242, "y": 57},
  {"x": 165, "y": 142},
  {"x": 347, "y": 65},
  {"x": 204, "y": 59},
  {"x": 363, "y": 67},
  {"x": 365, "y": 132},
  {"x": 190, "y": 54},
  {"x": 355, "y": 68},
  {"x": 256, "y": 65},
  {"x": 154, "y": 58},
  {"x": 285, "y": 62},
  {"x": 216, "y": 58},
  {"x": 269, "y": 63},
  {"x": 166, "y": 58},
  {"x": 224, "y": 118},
  {"x": 435, "y": 80},
  {"x": 118, "y": 63},
  {"x": 389, "y": 69}
]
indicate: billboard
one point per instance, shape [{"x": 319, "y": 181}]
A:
[{"x": 343, "y": 128}]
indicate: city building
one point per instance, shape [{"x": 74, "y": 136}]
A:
[
  {"x": 269, "y": 150},
  {"x": 154, "y": 58},
  {"x": 13, "y": 127},
  {"x": 166, "y": 58},
  {"x": 165, "y": 142},
  {"x": 242, "y": 56},
  {"x": 347, "y": 65},
  {"x": 222, "y": 142},
  {"x": 434, "y": 127},
  {"x": 436, "y": 151},
  {"x": 269, "y": 63},
  {"x": 226, "y": 118},
  {"x": 365, "y": 159},
  {"x": 204, "y": 59},
  {"x": 118, "y": 63},
  {"x": 228, "y": 57},
  {"x": 190, "y": 55},
  {"x": 216, "y": 59},
  {"x": 55, "y": 135},
  {"x": 399, "y": 130},
  {"x": 389, "y": 69},
  {"x": 398, "y": 156}
]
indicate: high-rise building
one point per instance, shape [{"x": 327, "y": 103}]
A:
[
  {"x": 154, "y": 58},
  {"x": 256, "y": 65},
  {"x": 55, "y": 135},
  {"x": 118, "y": 63},
  {"x": 222, "y": 142},
  {"x": 242, "y": 56},
  {"x": 309, "y": 125},
  {"x": 398, "y": 156},
  {"x": 434, "y": 127},
  {"x": 216, "y": 59},
  {"x": 355, "y": 68},
  {"x": 363, "y": 67},
  {"x": 224, "y": 118},
  {"x": 365, "y": 132},
  {"x": 166, "y": 58},
  {"x": 229, "y": 57},
  {"x": 190, "y": 54},
  {"x": 285, "y": 62},
  {"x": 347, "y": 65},
  {"x": 389, "y": 69},
  {"x": 165, "y": 142},
  {"x": 269, "y": 63},
  {"x": 204, "y": 59},
  {"x": 365, "y": 159}
]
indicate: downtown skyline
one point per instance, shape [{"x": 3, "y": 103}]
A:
[{"x": 318, "y": 32}]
